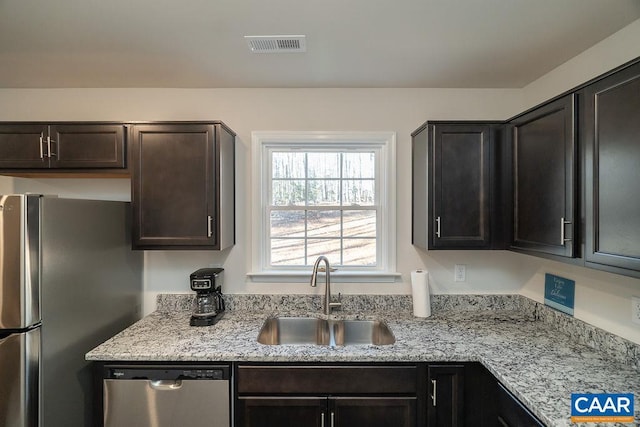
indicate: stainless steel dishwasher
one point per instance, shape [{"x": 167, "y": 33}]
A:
[{"x": 167, "y": 396}]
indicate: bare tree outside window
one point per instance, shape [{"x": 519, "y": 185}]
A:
[{"x": 323, "y": 203}]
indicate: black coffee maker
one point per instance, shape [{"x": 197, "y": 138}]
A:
[{"x": 208, "y": 306}]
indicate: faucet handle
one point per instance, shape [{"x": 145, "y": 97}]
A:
[{"x": 337, "y": 304}]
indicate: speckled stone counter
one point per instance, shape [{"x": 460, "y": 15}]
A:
[{"x": 539, "y": 363}]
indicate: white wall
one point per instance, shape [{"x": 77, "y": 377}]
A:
[
  {"x": 602, "y": 299},
  {"x": 613, "y": 51},
  {"x": 6, "y": 185}
]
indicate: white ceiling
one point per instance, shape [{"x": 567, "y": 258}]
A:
[{"x": 350, "y": 43}]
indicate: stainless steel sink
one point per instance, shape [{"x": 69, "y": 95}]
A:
[
  {"x": 307, "y": 330},
  {"x": 294, "y": 330},
  {"x": 350, "y": 332}
]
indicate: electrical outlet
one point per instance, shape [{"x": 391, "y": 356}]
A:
[
  {"x": 459, "y": 273},
  {"x": 635, "y": 310}
]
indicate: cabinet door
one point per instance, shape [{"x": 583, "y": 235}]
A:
[
  {"x": 372, "y": 412},
  {"x": 173, "y": 192},
  {"x": 445, "y": 403},
  {"x": 87, "y": 146},
  {"x": 282, "y": 412},
  {"x": 544, "y": 179},
  {"x": 23, "y": 146},
  {"x": 459, "y": 165},
  {"x": 612, "y": 170},
  {"x": 511, "y": 413}
]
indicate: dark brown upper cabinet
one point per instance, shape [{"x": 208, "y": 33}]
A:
[
  {"x": 611, "y": 141},
  {"x": 559, "y": 181},
  {"x": 57, "y": 146},
  {"x": 544, "y": 179},
  {"x": 455, "y": 177},
  {"x": 183, "y": 186}
]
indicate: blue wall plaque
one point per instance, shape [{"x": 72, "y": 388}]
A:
[{"x": 559, "y": 293}]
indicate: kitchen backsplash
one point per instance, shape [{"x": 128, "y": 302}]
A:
[
  {"x": 611, "y": 345},
  {"x": 350, "y": 303}
]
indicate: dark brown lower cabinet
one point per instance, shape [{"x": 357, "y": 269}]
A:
[
  {"x": 327, "y": 411},
  {"x": 329, "y": 395},
  {"x": 488, "y": 403},
  {"x": 511, "y": 413},
  {"x": 282, "y": 411},
  {"x": 372, "y": 411},
  {"x": 445, "y": 402},
  {"x": 374, "y": 395}
]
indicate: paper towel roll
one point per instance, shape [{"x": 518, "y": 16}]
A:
[{"x": 420, "y": 293}]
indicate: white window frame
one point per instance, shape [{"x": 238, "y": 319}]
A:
[{"x": 384, "y": 143}]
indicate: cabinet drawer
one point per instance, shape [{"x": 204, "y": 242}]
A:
[{"x": 327, "y": 379}]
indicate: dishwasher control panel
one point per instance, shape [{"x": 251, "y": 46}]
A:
[{"x": 157, "y": 373}]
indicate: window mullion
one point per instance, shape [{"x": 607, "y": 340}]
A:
[
  {"x": 306, "y": 212},
  {"x": 341, "y": 200}
]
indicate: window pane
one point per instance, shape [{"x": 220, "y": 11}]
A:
[
  {"x": 360, "y": 252},
  {"x": 287, "y": 165},
  {"x": 287, "y": 252},
  {"x": 327, "y": 247},
  {"x": 359, "y": 165},
  {"x": 323, "y": 223},
  {"x": 359, "y": 224},
  {"x": 358, "y": 192},
  {"x": 324, "y": 193},
  {"x": 323, "y": 165},
  {"x": 287, "y": 223},
  {"x": 286, "y": 192}
]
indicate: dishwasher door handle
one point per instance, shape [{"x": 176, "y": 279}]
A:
[{"x": 166, "y": 385}]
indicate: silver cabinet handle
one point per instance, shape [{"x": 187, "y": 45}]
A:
[
  {"x": 333, "y": 416},
  {"x": 41, "y": 146},
  {"x": 322, "y": 419},
  {"x": 434, "y": 384},
  {"x": 563, "y": 223},
  {"x": 438, "y": 227},
  {"x": 209, "y": 226},
  {"x": 49, "y": 151}
]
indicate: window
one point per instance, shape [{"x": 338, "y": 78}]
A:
[{"x": 324, "y": 193}]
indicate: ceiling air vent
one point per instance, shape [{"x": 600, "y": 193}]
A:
[{"x": 276, "y": 44}]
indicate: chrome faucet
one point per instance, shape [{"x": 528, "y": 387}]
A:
[{"x": 328, "y": 305}]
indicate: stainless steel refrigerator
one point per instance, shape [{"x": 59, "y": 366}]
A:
[{"x": 68, "y": 281}]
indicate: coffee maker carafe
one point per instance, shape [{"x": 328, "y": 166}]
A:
[{"x": 209, "y": 304}]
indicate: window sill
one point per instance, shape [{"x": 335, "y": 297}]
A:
[{"x": 336, "y": 277}]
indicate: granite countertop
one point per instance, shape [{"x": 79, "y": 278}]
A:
[{"x": 539, "y": 364}]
